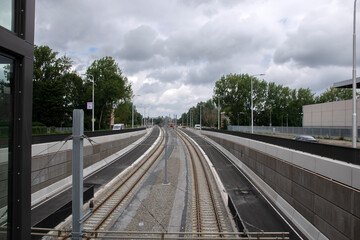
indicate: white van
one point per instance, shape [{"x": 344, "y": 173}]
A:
[
  {"x": 118, "y": 126},
  {"x": 197, "y": 126}
]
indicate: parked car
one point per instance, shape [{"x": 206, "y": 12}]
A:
[
  {"x": 197, "y": 126},
  {"x": 305, "y": 138},
  {"x": 118, "y": 126}
]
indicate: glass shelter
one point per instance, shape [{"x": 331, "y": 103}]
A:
[{"x": 16, "y": 64}]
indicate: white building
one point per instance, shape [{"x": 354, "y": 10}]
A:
[{"x": 331, "y": 114}]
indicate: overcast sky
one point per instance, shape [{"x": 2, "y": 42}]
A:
[{"x": 173, "y": 51}]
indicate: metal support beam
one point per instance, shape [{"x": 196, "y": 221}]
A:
[
  {"x": 166, "y": 149},
  {"x": 77, "y": 174},
  {"x": 354, "y": 118}
]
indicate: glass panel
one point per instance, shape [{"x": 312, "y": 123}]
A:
[
  {"x": 6, "y": 81},
  {"x": 7, "y": 14}
]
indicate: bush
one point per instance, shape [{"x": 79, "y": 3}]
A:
[
  {"x": 38, "y": 124},
  {"x": 39, "y": 130},
  {"x": 4, "y": 131}
]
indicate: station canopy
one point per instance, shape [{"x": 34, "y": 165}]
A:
[{"x": 347, "y": 83}]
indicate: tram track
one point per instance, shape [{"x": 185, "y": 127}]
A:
[
  {"x": 117, "y": 193},
  {"x": 207, "y": 214},
  {"x": 121, "y": 191}
]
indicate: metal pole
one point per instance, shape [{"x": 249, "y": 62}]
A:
[
  {"x": 132, "y": 119},
  {"x": 77, "y": 174},
  {"x": 143, "y": 121},
  {"x": 252, "y": 110},
  {"x": 218, "y": 113},
  {"x": 93, "y": 106},
  {"x": 166, "y": 150},
  {"x": 191, "y": 118},
  {"x": 252, "y": 113},
  {"x": 200, "y": 117},
  {"x": 354, "y": 122}
]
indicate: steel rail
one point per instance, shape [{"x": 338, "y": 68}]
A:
[
  {"x": 162, "y": 235},
  {"x": 117, "y": 188},
  {"x": 118, "y": 202},
  {"x": 257, "y": 189},
  {"x": 208, "y": 183}
]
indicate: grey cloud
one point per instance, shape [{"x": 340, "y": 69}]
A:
[
  {"x": 318, "y": 42},
  {"x": 194, "y": 42},
  {"x": 216, "y": 41},
  {"x": 153, "y": 63},
  {"x": 164, "y": 75},
  {"x": 140, "y": 44},
  {"x": 209, "y": 73},
  {"x": 150, "y": 88}
]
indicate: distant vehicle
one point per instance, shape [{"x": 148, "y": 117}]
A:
[
  {"x": 305, "y": 138},
  {"x": 118, "y": 126},
  {"x": 197, "y": 126},
  {"x": 171, "y": 125}
]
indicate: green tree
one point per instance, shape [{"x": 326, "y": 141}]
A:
[
  {"x": 334, "y": 94},
  {"x": 123, "y": 114},
  {"x": 111, "y": 87},
  {"x": 234, "y": 92},
  {"x": 75, "y": 97},
  {"x": 300, "y": 98},
  {"x": 49, "y": 104},
  {"x": 277, "y": 104},
  {"x": 209, "y": 114},
  {"x": 159, "y": 120},
  {"x": 184, "y": 119}
]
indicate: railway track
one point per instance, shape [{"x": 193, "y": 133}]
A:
[
  {"x": 117, "y": 194},
  {"x": 207, "y": 213},
  {"x": 121, "y": 191}
]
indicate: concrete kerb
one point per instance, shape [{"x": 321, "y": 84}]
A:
[
  {"x": 309, "y": 230},
  {"x": 60, "y": 186}
]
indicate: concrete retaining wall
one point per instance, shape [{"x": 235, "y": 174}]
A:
[
  {"x": 317, "y": 205},
  {"x": 52, "y": 162}
]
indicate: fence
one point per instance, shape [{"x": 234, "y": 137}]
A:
[{"x": 312, "y": 131}]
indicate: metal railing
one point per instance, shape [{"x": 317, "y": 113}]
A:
[{"x": 54, "y": 234}]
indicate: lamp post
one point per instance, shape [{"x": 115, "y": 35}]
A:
[
  {"x": 132, "y": 119},
  {"x": 93, "y": 105},
  {"x": 219, "y": 113},
  {"x": 200, "y": 117},
  {"x": 219, "y": 110},
  {"x": 252, "y": 107},
  {"x": 93, "y": 102},
  {"x": 354, "y": 122}
]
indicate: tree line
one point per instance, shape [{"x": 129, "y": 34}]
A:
[
  {"x": 273, "y": 104},
  {"x": 57, "y": 90}
]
